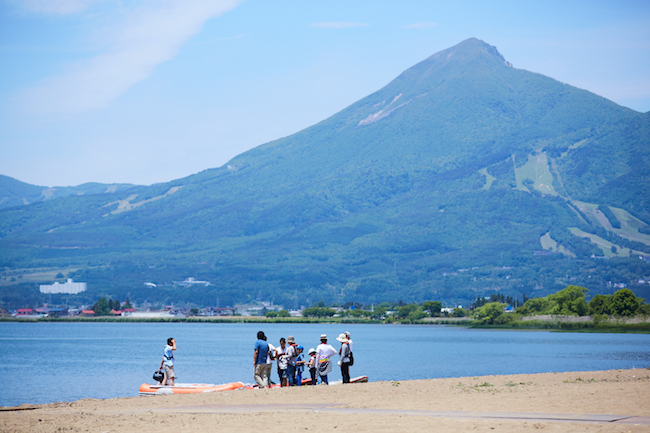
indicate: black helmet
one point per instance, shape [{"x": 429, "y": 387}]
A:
[{"x": 158, "y": 376}]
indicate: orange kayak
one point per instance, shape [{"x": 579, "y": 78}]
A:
[
  {"x": 187, "y": 388},
  {"x": 359, "y": 379}
]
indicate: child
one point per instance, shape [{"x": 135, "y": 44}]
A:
[
  {"x": 313, "y": 365},
  {"x": 300, "y": 366}
]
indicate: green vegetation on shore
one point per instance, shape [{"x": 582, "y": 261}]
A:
[{"x": 566, "y": 310}]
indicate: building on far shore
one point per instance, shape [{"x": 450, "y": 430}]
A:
[
  {"x": 190, "y": 281},
  {"x": 69, "y": 287}
]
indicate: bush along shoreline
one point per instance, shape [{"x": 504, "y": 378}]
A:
[{"x": 568, "y": 310}]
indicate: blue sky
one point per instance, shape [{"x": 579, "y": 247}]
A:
[{"x": 147, "y": 91}]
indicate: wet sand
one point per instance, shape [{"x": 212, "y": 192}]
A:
[{"x": 599, "y": 401}]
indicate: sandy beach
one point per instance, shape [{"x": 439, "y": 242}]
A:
[{"x": 599, "y": 401}]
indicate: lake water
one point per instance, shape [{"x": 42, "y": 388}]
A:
[{"x": 48, "y": 362}]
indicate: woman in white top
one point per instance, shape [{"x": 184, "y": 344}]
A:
[{"x": 324, "y": 353}]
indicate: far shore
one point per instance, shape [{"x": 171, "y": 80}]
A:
[
  {"x": 547, "y": 322},
  {"x": 591, "y": 401}
]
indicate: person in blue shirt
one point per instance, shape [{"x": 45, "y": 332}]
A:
[
  {"x": 168, "y": 362},
  {"x": 259, "y": 361},
  {"x": 300, "y": 366}
]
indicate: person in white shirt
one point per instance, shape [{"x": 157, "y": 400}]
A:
[
  {"x": 313, "y": 365},
  {"x": 269, "y": 361},
  {"x": 282, "y": 360},
  {"x": 324, "y": 353}
]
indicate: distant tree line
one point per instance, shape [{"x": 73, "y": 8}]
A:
[
  {"x": 569, "y": 301},
  {"x": 104, "y": 306}
]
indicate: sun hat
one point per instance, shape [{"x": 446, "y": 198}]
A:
[
  {"x": 312, "y": 350},
  {"x": 342, "y": 338},
  {"x": 323, "y": 336},
  {"x": 290, "y": 339},
  {"x": 300, "y": 348}
]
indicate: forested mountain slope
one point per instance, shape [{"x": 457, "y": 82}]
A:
[
  {"x": 462, "y": 176},
  {"x": 16, "y": 193}
]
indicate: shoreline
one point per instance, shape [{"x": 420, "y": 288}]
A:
[
  {"x": 611, "y": 400},
  {"x": 639, "y": 325}
]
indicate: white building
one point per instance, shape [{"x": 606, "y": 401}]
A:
[
  {"x": 190, "y": 282},
  {"x": 148, "y": 314},
  {"x": 70, "y": 287}
]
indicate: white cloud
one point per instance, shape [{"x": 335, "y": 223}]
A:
[
  {"x": 338, "y": 25},
  {"x": 424, "y": 25},
  {"x": 147, "y": 37}
]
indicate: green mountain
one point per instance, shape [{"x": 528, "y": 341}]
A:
[
  {"x": 461, "y": 177},
  {"x": 16, "y": 193}
]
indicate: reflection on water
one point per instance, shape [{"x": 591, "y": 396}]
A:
[{"x": 47, "y": 362}]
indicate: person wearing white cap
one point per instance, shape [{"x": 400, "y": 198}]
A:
[
  {"x": 344, "y": 352},
  {"x": 347, "y": 334},
  {"x": 313, "y": 365},
  {"x": 324, "y": 352}
]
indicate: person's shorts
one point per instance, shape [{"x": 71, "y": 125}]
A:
[{"x": 169, "y": 371}]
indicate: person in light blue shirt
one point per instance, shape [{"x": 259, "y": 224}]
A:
[
  {"x": 259, "y": 360},
  {"x": 300, "y": 366},
  {"x": 168, "y": 362}
]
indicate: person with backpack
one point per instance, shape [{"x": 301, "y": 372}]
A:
[
  {"x": 168, "y": 362},
  {"x": 345, "y": 354},
  {"x": 347, "y": 334}
]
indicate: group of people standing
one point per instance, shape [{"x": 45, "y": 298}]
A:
[{"x": 291, "y": 362}]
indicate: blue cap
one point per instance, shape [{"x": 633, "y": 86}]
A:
[{"x": 301, "y": 348}]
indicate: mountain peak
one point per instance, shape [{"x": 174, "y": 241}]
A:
[{"x": 469, "y": 51}]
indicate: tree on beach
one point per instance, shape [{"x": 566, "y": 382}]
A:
[
  {"x": 490, "y": 313},
  {"x": 459, "y": 312},
  {"x": 624, "y": 303},
  {"x": 101, "y": 307},
  {"x": 318, "y": 312},
  {"x": 569, "y": 301},
  {"x": 433, "y": 307},
  {"x": 600, "y": 304}
]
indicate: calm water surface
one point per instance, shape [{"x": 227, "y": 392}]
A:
[{"x": 48, "y": 362}]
